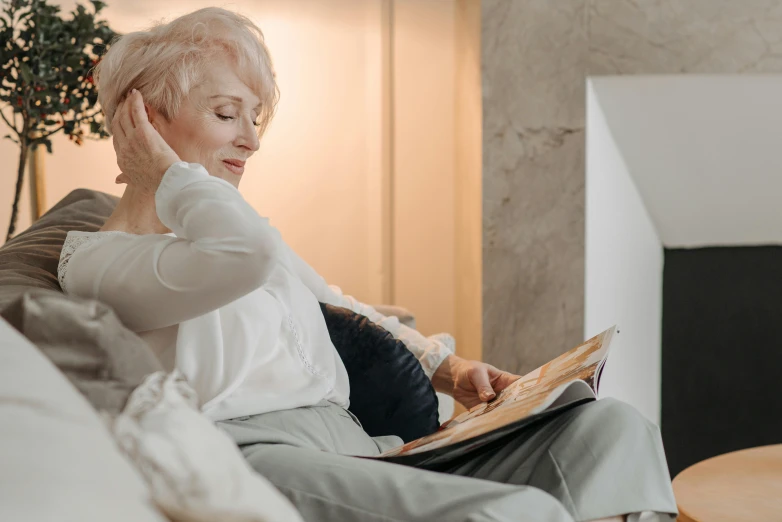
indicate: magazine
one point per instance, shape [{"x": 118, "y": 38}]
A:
[{"x": 567, "y": 381}]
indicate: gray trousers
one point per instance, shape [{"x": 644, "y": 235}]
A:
[{"x": 597, "y": 460}]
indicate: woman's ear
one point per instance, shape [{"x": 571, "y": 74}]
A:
[{"x": 154, "y": 117}]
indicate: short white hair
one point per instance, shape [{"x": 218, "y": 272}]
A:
[{"x": 167, "y": 60}]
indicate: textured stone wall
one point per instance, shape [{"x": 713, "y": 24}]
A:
[{"x": 536, "y": 55}]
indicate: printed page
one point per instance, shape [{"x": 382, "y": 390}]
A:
[{"x": 533, "y": 394}]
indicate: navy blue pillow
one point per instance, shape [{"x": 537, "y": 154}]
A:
[{"x": 389, "y": 391}]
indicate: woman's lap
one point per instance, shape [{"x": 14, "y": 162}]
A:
[
  {"x": 330, "y": 487},
  {"x": 599, "y": 459}
]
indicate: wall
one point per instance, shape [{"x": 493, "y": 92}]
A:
[
  {"x": 533, "y": 180},
  {"x": 468, "y": 205},
  {"x": 311, "y": 180},
  {"x": 358, "y": 169},
  {"x": 535, "y": 58},
  {"x": 703, "y": 151},
  {"x": 9, "y": 153},
  {"x": 436, "y": 166},
  {"x": 623, "y": 269},
  {"x": 423, "y": 161}
]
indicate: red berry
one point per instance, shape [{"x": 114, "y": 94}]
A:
[{"x": 67, "y": 100}]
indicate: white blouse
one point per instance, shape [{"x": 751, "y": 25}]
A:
[{"x": 225, "y": 300}]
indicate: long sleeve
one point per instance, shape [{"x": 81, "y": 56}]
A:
[
  {"x": 429, "y": 352},
  {"x": 223, "y": 251}
]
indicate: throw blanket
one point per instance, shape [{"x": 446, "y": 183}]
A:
[{"x": 195, "y": 472}]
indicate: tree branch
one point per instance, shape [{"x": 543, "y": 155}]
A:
[
  {"x": 55, "y": 131},
  {"x": 9, "y": 123},
  {"x": 77, "y": 120}
]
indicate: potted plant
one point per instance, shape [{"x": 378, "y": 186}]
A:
[{"x": 46, "y": 85}]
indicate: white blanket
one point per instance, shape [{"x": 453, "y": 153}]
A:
[{"x": 195, "y": 472}]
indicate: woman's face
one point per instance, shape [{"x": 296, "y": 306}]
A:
[{"x": 215, "y": 126}]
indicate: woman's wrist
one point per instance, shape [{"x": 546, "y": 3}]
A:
[
  {"x": 443, "y": 376},
  {"x": 164, "y": 164}
]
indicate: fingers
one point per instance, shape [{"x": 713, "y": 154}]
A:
[
  {"x": 127, "y": 113},
  {"x": 131, "y": 102},
  {"x": 479, "y": 377},
  {"x": 500, "y": 379},
  {"x": 137, "y": 110},
  {"x": 116, "y": 124}
]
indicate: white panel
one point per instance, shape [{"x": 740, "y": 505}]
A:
[
  {"x": 624, "y": 262},
  {"x": 704, "y": 152}
]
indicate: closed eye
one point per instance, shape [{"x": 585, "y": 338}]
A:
[{"x": 229, "y": 118}]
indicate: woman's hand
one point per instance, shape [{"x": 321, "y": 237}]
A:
[
  {"x": 143, "y": 155},
  {"x": 470, "y": 382}
]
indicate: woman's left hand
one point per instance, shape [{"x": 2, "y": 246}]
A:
[{"x": 470, "y": 382}]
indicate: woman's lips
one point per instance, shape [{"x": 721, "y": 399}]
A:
[{"x": 236, "y": 169}]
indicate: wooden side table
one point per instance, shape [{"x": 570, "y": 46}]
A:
[{"x": 741, "y": 486}]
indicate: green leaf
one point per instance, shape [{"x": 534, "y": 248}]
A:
[
  {"x": 42, "y": 57},
  {"x": 48, "y": 143},
  {"x": 27, "y": 74},
  {"x": 98, "y": 5}
]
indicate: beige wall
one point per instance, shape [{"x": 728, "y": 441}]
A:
[
  {"x": 312, "y": 174},
  {"x": 468, "y": 208},
  {"x": 9, "y": 160},
  {"x": 437, "y": 166},
  {"x": 424, "y": 160},
  {"x": 358, "y": 169}
]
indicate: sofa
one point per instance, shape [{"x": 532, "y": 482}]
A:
[{"x": 59, "y": 460}]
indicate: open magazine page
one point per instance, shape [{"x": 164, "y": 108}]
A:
[{"x": 553, "y": 385}]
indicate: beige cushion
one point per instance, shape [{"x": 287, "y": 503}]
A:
[
  {"x": 30, "y": 259},
  {"x": 59, "y": 463},
  {"x": 87, "y": 342},
  {"x": 84, "y": 339}
]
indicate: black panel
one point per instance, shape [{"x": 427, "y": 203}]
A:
[{"x": 722, "y": 351}]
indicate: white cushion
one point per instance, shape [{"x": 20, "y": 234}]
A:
[
  {"x": 195, "y": 470},
  {"x": 446, "y": 408},
  {"x": 59, "y": 462}
]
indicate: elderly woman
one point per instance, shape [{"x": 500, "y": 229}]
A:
[{"x": 187, "y": 263}]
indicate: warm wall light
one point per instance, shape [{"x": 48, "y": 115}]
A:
[{"x": 348, "y": 113}]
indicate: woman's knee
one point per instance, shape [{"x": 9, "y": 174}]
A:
[
  {"x": 613, "y": 412},
  {"x": 611, "y": 420}
]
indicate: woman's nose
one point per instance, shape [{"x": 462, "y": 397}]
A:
[{"x": 248, "y": 137}]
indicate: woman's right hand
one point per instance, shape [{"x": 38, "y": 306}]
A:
[{"x": 143, "y": 155}]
